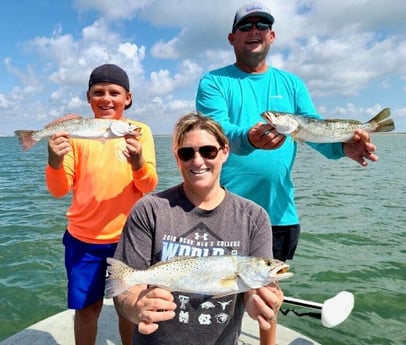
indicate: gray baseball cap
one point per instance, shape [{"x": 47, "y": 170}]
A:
[{"x": 253, "y": 9}]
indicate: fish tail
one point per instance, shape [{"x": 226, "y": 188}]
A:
[
  {"x": 26, "y": 139},
  {"x": 382, "y": 121},
  {"x": 116, "y": 281}
]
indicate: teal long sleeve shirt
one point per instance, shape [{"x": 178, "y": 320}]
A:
[{"x": 236, "y": 100}]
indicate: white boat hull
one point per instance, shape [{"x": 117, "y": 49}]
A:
[{"x": 58, "y": 330}]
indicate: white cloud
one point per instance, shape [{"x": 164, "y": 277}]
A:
[
  {"x": 350, "y": 53},
  {"x": 4, "y": 103},
  {"x": 163, "y": 83},
  {"x": 165, "y": 50}
]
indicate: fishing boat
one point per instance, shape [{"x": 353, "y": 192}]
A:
[{"x": 58, "y": 329}]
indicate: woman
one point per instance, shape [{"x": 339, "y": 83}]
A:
[{"x": 197, "y": 217}]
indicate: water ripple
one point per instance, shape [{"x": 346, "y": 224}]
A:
[{"x": 353, "y": 230}]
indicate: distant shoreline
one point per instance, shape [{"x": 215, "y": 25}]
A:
[{"x": 169, "y": 135}]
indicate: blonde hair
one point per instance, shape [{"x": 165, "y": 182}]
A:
[{"x": 196, "y": 120}]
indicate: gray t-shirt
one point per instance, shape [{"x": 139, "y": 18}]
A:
[{"x": 166, "y": 224}]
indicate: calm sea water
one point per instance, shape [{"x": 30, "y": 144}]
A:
[{"x": 353, "y": 221}]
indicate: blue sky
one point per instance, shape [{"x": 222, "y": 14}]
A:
[{"x": 350, "y": 53}]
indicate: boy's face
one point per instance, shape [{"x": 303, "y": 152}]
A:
[{"x": 108, "y": 100}]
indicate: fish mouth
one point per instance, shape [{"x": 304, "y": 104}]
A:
[
  {"x": 135, "y": 129},
  {"x": 269, "y": 117},
  {"x": 281, "y": 272}
]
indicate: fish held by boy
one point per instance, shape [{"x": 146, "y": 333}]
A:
[
  {"x": 211, "y": 275},
  {"x": 307, "y": 129},
  {"x": 78, "y": 127}
]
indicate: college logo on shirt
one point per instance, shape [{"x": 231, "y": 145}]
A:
[{"x": 198, "y": 241}]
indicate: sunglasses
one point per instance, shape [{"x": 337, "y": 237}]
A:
[
  {"x": 207, "y": 152},
  {"x": 248, "y": 26}
]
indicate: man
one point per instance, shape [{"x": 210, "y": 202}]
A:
[{"x": 261, "y": 160}]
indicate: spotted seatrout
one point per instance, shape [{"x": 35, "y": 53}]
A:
[
  {"x": 212, "y": 275},
  {"x": 78, "y": 127},
  {"x": 307, "y": 129}
]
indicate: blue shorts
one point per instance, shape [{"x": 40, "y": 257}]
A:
[{"x": 85, "y": 265}]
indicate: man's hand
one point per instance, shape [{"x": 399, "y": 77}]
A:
[
  {"x": 361, "y": 148},
  {"x": 264, "y": 136}
]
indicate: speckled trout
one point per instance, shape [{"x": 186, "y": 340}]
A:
[
  {"x": 78, "y": 127},
  {"x": 210, "y": 275},
  {"x": 307, "y": 129}
]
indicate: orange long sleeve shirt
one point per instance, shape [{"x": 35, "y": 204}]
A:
[{"x": 104, "y": 187}]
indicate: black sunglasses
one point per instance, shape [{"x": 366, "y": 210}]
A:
[
  {"x": 208, "y": 152},
  {"x": 248, "y": 26}
]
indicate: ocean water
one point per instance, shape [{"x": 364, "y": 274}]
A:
[{"x": 353, "y": 238}]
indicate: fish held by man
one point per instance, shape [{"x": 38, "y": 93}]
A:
[
  {"x": 78, "y": 127},
  {"x": 307, "y": 129},
  {"x": 212, "y": 275}
]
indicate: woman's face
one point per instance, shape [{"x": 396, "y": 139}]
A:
[{"x": 198, "y": 172}]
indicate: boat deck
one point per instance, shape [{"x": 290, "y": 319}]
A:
[{"x": 58, "y": 330}]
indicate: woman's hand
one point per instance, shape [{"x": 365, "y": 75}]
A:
[
  {"x": 263, "y": 304},
  {"x": 146, "y": 307}
]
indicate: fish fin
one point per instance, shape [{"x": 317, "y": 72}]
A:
[
  {"x": 116, "y": 282},
  {"x": 296, "y": 138},
  {"x": 386, "y": 126},
  {"x": 25, "y": 137},
  {"x": 382, "y": 121},
  {"x": 350, "y": 121},
  {"x": 64, "y": 118},
  {"x": 220, "y": 296},
  {"x": 174, "y": 259},
  {"x": 300, "y": 141},
  {"x": 229, "y": 281}
]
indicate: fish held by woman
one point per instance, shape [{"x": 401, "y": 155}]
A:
[
  {"x": 307, "y": 129},
  {"x": 78, "y": 127},
  {"x": 211, "y": 275}
]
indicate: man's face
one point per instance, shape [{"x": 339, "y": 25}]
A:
[{"x": 252, "y": 39}]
